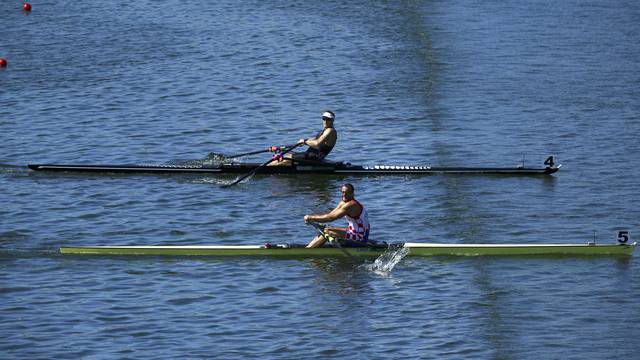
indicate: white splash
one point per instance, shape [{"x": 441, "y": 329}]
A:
[{"x": 387, "y": 261}]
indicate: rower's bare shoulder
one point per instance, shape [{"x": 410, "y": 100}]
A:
[{"x": 351, "y": 206}]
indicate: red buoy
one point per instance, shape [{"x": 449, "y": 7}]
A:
[
  {"x": 3, "y": 62},
  {"x": 26, "y": 7}
]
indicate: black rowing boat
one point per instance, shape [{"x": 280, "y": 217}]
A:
[{"x": 302, "y": 167}]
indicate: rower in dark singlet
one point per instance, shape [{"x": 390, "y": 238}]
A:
[
  {"x": 319, "y": 147},
  {"x": 313, "y": 153}
]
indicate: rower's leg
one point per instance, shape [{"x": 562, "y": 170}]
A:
[
  {"x": 283, "y": 162},
  {"x": 338, "y": 233},
  {"x": 287, "y": 160},
  {"x": 317, "y": 242}
]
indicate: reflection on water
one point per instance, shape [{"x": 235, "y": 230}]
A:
[{"x": 342, "y": 277}]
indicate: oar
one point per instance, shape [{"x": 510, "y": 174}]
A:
[
  {"x": 247, "y": 154},
  {"x": 223, "y": 157},
  {"x": 286, "y": 150},
  {"x": 269, "y": 149},
  {"x": 320, "y": 229}
]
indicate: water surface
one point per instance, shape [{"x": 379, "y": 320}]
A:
[{"x": 435, "y": 83}]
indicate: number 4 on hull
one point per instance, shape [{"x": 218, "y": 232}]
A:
[{"x": 550, "y": 161}]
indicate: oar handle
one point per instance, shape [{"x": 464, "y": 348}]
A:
[{"x": 316, "y": 225}]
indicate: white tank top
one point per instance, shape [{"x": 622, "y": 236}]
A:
[{"x": 359, "y": 227}]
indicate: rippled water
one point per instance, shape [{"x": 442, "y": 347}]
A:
[{"x": 437, "y": 83}]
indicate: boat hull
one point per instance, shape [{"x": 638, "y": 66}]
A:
[
  {"x": 415, "y": 249},
  {"x": 312, "y": 168}
]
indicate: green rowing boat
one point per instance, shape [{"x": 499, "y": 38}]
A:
[{"x": 415, "y": 249}]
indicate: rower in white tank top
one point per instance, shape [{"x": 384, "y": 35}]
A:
[
  {"x": 356, "y": 234},
  {"x": 359, "y": 227}
]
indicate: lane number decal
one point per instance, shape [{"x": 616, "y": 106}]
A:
[
  {"x": 550, "y": 161},
  {"x": 623, "y": 237}
]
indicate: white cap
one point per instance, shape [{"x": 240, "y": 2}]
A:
[{"x": 328, "y": 115}]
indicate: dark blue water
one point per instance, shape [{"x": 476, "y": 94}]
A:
[{"x": 436, "y": 83}]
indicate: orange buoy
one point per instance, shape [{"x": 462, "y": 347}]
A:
[
  {"x": 26, "y": 7},
  {"x": 3, "y": 62}
]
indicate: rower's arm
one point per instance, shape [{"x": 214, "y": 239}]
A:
[
  {"x": 335, "y": 214},
  {"x": 315, "y": 143}
]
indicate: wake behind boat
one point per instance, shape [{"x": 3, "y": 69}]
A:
[{"x": 299, "y": 167}]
